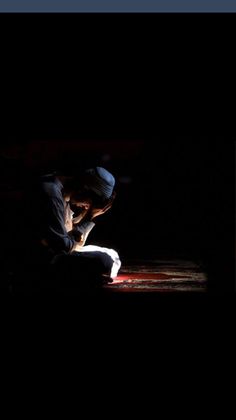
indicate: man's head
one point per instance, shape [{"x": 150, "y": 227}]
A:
[
  {"x": 94, "y": 188},
  {"x": 100, "y": 181}
]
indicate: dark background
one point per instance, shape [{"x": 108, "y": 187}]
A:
[
  {"x": 173, "y": 194},
  {"x": 155, "y": 93},
  {"x": 140, "y": 95}
]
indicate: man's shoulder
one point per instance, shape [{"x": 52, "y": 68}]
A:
[{"x": 51, "y": 186}]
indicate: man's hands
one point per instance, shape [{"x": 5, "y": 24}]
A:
[
  {"x": 94, "y": 212},
  {"x": 81, "y": 216},
  {"x": 98, "y": 212},
  {"x": 91, "y": 212}
]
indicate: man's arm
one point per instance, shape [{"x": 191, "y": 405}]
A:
[
  {"x": 77, "y": 230},
  {"x": 56, "y": 235},
  {"x": 81, "y": 229},
  {"x": 81, "y": 232}
]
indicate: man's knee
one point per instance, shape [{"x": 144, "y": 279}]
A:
[
  {"x": 96, "y": 262},
  {"x": 90, "y": 263},
  {"x": 100, "y": 262}
]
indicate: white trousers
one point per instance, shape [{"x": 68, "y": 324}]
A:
[{"x": 111, "y": 252}]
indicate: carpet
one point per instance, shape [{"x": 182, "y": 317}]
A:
[{"x": 160, "y": 276}]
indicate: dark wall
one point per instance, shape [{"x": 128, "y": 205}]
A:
[{"x": 173, "y": 193}]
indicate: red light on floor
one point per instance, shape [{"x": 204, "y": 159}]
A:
[
  {"x": 160, "y": 276},
  {"x": 144, "y": 276}
]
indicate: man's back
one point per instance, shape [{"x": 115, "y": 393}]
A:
[{"x": 48, "y": 224}]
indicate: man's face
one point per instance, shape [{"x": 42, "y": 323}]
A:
[{"x": 80, "y": 202}]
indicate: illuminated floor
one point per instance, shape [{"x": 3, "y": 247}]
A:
[{"x": 159, "y": 276}]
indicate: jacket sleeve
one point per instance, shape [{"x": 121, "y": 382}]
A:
[
  {"x": 82, "y": 229},
  {"x": 56, "y": 235}
]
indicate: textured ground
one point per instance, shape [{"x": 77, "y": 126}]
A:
[{"x": 160, "y": 276}]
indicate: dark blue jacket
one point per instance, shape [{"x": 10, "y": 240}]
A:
[{"x": 49, "y": 217}]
